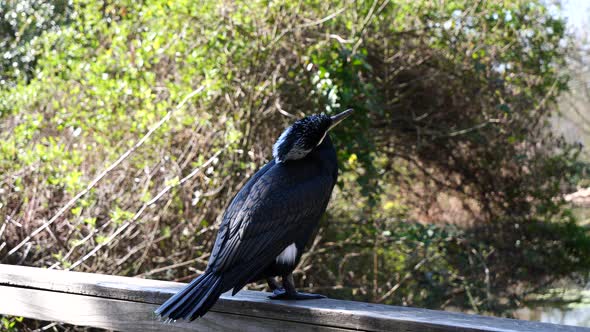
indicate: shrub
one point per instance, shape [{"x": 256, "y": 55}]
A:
[{"x": 451, "y": 125}]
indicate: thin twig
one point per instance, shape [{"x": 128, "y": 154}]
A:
[
  {"x": 474, "y": 128},
  {"x": 3, "y": 228},
  {"x": 305, "y": 25},
  {"x": 406, "y": 277},
  {"x": 366, "y": 23},
  {"x": 323, "y": 20},
  {"x": 173, "y": 266},
  {"x": 145, "y": 206},
  {"x": 188, "y": 277},
  {"x": 140, "y": 247},
  {"x": 84, "y": 240},
  {"x": 104, "y": 173},
  {"x": 46, "y": 327}
]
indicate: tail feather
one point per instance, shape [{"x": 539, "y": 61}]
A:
[
  {"x": 165, "y": 309},
  {"x": 199, "y": 310},
  {"x": 194, "y": 300},
  {"x": 188, "y": 300}
]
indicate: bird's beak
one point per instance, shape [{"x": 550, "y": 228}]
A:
[{"x": 336, "y": 119}]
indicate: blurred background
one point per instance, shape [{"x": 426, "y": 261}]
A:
[{"x": 462, "y": 173}]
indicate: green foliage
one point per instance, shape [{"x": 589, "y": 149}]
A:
[
  {"x": 9, "y": 324},
  {"x": 22, "y": 23},
  {"x": 452, "y": 101}
]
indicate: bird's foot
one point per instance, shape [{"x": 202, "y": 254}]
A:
[{"x": 281, "y": 294}]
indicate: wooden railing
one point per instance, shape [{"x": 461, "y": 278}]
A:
[{"x": 126, "y": 304}]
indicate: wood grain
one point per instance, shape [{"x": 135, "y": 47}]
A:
[
  {"x": 128, "y": 316},
  {"x": 252, "y": 309}
]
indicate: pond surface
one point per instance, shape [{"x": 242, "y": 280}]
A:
[
  {"x": 579, "y": 316},
  {"x": 572, "y": 314}
]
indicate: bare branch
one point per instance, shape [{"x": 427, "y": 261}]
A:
[
  {"x": 104, "y": 173},
  {"x": 145, "y": 206},
  {"x": 173, "y": 266}
]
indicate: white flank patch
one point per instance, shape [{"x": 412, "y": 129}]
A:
[{"x": 288, "y": 255}]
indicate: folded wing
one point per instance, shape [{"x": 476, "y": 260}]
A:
[{"x": 268, "y": 214}]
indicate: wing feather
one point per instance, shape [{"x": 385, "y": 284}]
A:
[{"x": 278, "y": 203}]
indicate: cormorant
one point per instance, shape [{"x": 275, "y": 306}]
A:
[{"x": 270, "y": 220}]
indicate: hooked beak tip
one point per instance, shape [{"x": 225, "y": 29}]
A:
[{"x": 336, "y": 119}]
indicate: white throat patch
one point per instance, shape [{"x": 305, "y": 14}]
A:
[{"x": 288, "y": 255}]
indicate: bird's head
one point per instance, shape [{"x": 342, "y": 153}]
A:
[{"x": 304, "y": 135}]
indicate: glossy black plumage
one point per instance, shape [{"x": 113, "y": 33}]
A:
[{"x": 280, "y": 205}]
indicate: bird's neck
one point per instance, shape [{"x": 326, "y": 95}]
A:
[
  {"x": 326, "y": 154},
  {"x": 326, "y": 144}
]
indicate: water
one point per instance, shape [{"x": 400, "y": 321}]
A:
[{"x": 577, "y": 314}]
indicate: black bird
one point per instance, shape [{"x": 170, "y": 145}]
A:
[{"x": 267, "y": 225}]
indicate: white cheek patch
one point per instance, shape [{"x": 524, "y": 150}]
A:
[
  {"x": 296, "y": 153},
  {"x": 280, "y": 141},
  {"x": 288, "y": 255}
]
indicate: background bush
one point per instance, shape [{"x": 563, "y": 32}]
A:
[{"x": 451, "y": 181}]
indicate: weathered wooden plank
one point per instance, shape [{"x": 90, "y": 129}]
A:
[
  {"x": 115, "y": 287},
  {"x": 325, "y": 312},
  {"x": 128, "y": 316}
]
